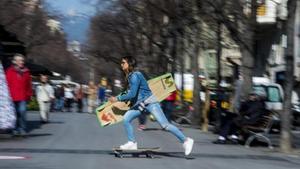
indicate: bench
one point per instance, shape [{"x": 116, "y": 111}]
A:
[
  {"x": 184, "y": 114},
  {"x": 261, "y": 131}
]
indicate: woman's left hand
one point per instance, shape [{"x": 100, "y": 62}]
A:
[{"x": 113, "y": 99}]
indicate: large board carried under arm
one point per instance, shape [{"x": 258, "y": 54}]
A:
[{"x": 112, "y": 113}]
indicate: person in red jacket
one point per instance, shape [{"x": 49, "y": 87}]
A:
[
  {"x": 19, "y": 83},
  {"x": 168, "y": 105}
]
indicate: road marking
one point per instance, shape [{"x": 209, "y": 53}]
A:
[{"x": 12, "y": 158}]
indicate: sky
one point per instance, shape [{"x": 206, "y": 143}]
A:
[
  {"x": 73, "y": 7},
  {"x": 76, "y": 14}
]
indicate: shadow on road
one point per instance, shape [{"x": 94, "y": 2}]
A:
[
  {"x": 9, "y": 137},
  {"x": 37, "y": 135},
  {"x": 152, "y": 129},
  {"x": 32, "y": 125},
  {"x": 56, "y": 122}
]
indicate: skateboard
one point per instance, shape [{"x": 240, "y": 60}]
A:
[
  {"x": 112, "y": 113},
  {"x": 146, "y": 152}
]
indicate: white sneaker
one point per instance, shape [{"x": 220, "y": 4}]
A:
[
  {"x": 234, "y": 137},
  {"x": 188, "y": 146},
  {"x": 129, "y": 146}
]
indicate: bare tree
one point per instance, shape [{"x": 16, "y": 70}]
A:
[
  {"x": 286, "y": 138},
  {"x": 241, "y": 26},
  {"x": 30, "y": 27}
]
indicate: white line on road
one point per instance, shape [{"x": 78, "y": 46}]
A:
[{"x": 12, "y": 158}]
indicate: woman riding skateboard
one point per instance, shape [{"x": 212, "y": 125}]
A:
[{"x": 138, "y": 92}]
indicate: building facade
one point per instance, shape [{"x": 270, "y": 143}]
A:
[{"x": 272, "y": 40}]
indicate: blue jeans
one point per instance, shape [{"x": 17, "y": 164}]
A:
[
  {"x": 21, "y": 115},
  {"x": 59, "y": 104},
  {"x": 156, "y": 111}
]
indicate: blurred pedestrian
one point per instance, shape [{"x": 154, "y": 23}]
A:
[
  {"x": 85, "y": 98},
  {"x": 168, "y": 105},
  {"x": 69, "y": 97},
  {"x": 92, "y": 97},
  {"x": 59, "y": 98},
  {"x": 19, "y": 83},
  {"x": 142, "y": 122},
  {"x": 45, "y": 95},
  {"x": 79, "y": 98},
  {"x": 101, "y": 91}
]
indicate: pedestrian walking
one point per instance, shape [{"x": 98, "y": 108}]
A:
[
  {"x": 59, "y": 97},
  {"x": 101, "y": 91},
  {"x": 85, "y": 98},
  {"x": 19, "y": 83},
  {"x": 45, "y": 95},
  {"x": 79, "y": 98},
  {"x": 69, "y": 97},
  {"x": 142, "y": 122},
  {"x": 92, "y": 97},
  {"x": 140, "y": 95},
  {"x": 168, "y": 105}
]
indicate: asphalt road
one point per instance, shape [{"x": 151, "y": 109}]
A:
[{"x": 75, "y": 141}]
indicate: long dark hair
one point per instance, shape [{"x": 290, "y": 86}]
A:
[{"x": 132, "y": 64}]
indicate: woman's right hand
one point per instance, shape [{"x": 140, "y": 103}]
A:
[{"x": 112, "y": 99}]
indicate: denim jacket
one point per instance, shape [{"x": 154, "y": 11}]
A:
[{"x": 138, "y": 88}]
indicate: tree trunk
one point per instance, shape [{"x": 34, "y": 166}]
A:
[
  {"x": 205, "y": 110},
  {"x": 219, "y": 54},
  {"x": 182, "y": 47},
  {"x": 196, "y": 96},
  {"x": 195, "y": 43},
  {"x": 246, "y": 69},
  {"x": 174, "y": 53},
  {"x": 286, "y": 139},
  {"x": 248, "y": 52}
]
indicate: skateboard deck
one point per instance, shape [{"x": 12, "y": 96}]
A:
[
  {"x": 146, "y": 152},
  {"x": 112, "y": 113}
]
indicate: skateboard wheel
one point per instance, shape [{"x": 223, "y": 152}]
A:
[
  {"x": 118, "y": 155},
  {"x": 149, "y": 156}
]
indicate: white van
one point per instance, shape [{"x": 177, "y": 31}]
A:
[{"x": 273, "y": 91}]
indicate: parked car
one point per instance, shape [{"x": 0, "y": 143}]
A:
[
  {"x": 296, "y": 114},
  {"x": 295, "y": 109},
  {"x": 273, "y": 93}
]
